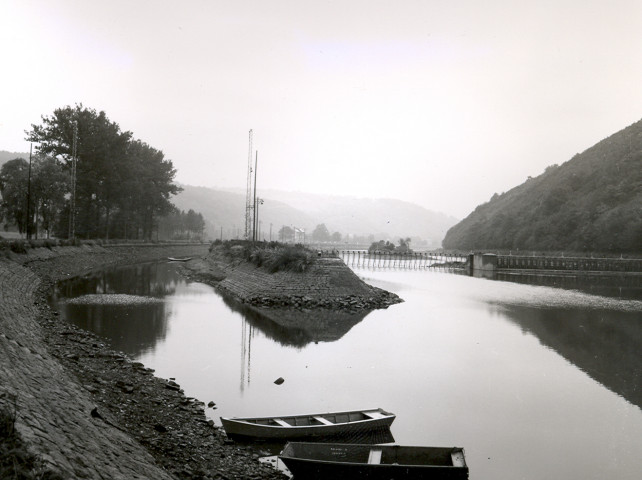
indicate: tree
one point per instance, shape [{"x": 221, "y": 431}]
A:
[
  {"x": 101, "y": 161},
  {"x": 336, "y": 237},
  {"x": 122, "y": 184},
  {"x": 49, "y": 186},
  {"x": 195, "y": 223},
  {"x": 404, "y": 245},
  {"x": 150, "y": 186},
  {"x": 321, "y": 233},
  {"x": 13, "y": 188},
  {"x": 286, "y": 234}
]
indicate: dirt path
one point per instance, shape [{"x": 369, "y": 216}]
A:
[{"x": 88, "y": 411}]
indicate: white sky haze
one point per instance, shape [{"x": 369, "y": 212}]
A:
[{"x": 441, "y": 103}]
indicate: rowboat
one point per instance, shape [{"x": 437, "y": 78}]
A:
[
  {"x": 174, "y": 259},
  {"x": 373, "y": 462},
  {"x": 309, "y": 426}
]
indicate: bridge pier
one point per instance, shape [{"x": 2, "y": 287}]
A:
[{"x": 485, "y": 262}]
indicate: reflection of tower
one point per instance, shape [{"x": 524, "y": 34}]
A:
[{"x": 247, "y": 331}]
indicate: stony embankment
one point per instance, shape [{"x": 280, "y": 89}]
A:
[
  {"x": 327, "y": 284},
  {"x": 86, "y": 410}
]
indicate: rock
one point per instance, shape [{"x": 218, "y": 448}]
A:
[{"x": 279, "y": 381}]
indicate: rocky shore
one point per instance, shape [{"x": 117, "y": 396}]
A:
[
  {"x": 327, "y": 285},
  {"x": 87, "y": 411}
]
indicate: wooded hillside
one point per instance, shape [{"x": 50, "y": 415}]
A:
[{"x": 591, "y": 203}]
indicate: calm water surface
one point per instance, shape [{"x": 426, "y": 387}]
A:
[{"x": 533, "y": 381}]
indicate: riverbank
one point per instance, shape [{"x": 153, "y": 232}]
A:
[
  {"x": 87, "y": 411},
  {"x": 326, "y": 284}
]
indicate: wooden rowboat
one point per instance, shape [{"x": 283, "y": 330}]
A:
[
  {"x": 373, "y": 462},
  {"x": 309, "y": 426}
]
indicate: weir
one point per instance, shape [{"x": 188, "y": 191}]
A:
[
  {"x": 484, "y": 262},
  {"x": 399, "y": 260}
]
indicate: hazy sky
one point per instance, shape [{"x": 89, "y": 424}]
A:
[{"x": 441, "y": 103}]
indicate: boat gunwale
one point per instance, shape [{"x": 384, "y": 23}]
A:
[
  {"x": 246, "y": 420},
  {"x": 283, "y": 457}
]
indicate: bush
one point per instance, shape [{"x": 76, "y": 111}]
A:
[
  {"x": 18, "y": 246},
  {"x": 272, "y": 256},
  {"x": 295, "y": 258}
]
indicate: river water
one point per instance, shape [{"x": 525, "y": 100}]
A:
[{"x": 534, "y": 381}]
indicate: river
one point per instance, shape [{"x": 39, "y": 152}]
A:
[{"x": 534, "y": 381}]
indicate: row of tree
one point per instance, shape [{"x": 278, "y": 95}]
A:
[
  {"x": 120, "y": 188},
  {"x": 182, "y": 226}
]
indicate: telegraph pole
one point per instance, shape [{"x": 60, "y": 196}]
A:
[
  {"x": 256, "y": 164},
  {"x": 248, "y": 191},
  {"x": 72, "y": 206},
  {"x": 29, "y": 196}
]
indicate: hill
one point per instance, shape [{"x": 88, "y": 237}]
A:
[
  {"x": 591, "y": 203},
  {"x": 382, "y": 218}
]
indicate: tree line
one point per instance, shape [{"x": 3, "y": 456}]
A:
[{"x": 121, "y": 188}]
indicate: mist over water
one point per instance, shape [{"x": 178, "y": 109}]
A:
[{"x": 533, "y": 381}]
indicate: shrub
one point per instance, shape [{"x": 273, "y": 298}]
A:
[{"x": 18, "y": 246}]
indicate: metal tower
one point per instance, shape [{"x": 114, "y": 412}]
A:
[{"x": 249, "y": 197}]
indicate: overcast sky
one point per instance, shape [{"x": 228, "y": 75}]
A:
[{"x": 441, "y": 103}]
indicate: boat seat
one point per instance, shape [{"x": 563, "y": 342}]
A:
[
  {"x": 325, "y": 421},
  {"x": 375, "y": 456},
  {"x": 281, "y": 422},
  {"x": 458, "y": 459},
  {"x": 374, "y": 414}
]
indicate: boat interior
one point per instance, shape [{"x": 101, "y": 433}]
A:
[
  {"x": 321, "y": 419},
  {"x": 379, "y": 454}
]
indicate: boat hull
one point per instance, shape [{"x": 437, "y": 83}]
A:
[
  {"x": 266, "y": 428},
  {"x": 337, "y": 461}
]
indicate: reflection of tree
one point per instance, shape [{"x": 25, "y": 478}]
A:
[
  {"x": 130, "y": 328},
  {"x": 603, "y": 343},
  {"x": 146, "y": 279},
  {"x": 297, "y": 328},
  {"x": 618, "y": 286}
]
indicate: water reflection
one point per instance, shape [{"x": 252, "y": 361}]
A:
[
  {"x": 289, "y": 328},
  {"x": 130, "y": 328},
  {"x": 607, "y": 345},
  {"x": 148, "y": 279},
  {"x": 295, "y": 327},
  {"x": 616, "y": 286}
]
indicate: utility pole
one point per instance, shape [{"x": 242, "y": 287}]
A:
[
  {"x": 248, "y": 193},
  {"x": 256, "y": 164},
  {"x": 29, "y": 196},
  {"x": 72, "y": 205}
]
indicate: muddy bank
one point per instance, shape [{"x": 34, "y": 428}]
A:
[{"x": 88, "y": 411}]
